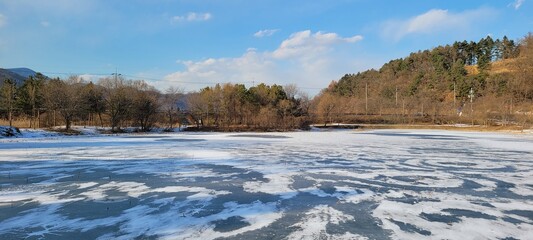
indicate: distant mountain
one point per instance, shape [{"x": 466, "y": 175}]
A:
[
  {"x": 19, "y": 75},
  {"x": 6, "y": 74},
  {"x": 24, "y": 72}
]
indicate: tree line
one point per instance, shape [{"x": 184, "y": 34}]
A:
[
  {"x": 116, "y": 102},
  {"x": 489, "y": 81},
  {"x": 111, "y": 102},
  {"x": 260, "y": 107}
]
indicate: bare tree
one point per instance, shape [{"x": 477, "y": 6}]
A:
[
  {"x": 326, "y": 106},
  {"x": 285, "y": 108},
  {"x": 291, "y": 90},
  {"x": 197, "y": 107},
  {"x": 94, "y": 97},
  {"x": 118, "y": 99},
  {"x": 65, "y": 97},
  {"x": 170, "y": 104},
  {"x": 145, "y": 105},
  {"x": 523, "y": 81}
]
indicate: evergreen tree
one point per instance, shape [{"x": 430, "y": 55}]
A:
[
  {"x": 509, "y": 48},
  {"x": 7, "y": 94},
  {"x": 30, "y": 98}
]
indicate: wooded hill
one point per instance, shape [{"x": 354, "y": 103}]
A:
[
  {"x": 6, "y": 74},
  {"x": 434, "y": 86}
]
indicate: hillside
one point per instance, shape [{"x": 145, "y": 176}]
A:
[
  {"x": 19, "y": 75},
  {"x": 497, "y": 67},
  {"x": 24, "y": 72},
  {"x": 435, "y": 86},
  {"x": 7, "y": 74}
]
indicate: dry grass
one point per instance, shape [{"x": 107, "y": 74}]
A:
[
  {"x": 501, "y": 66},
  {"x": 19, "y": 123},
  {"x": 469, "y": 128},
  {"x": 472, "y": 70}
]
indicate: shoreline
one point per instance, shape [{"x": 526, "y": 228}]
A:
[
  {"x": 335, "y": 126},
  {"x": 457, "y": 127}
]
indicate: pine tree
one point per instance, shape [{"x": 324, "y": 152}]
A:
[
  {"x": 31, "y": 97},
  {"x": 8, "y": 93}
]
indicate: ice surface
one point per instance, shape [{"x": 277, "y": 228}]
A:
[
  {"x": 398, "y": 184},
  {"x": 316, "y": 221},
  {"x": 278, "y": 184}
]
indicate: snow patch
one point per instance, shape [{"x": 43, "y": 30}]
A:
[
  {"x": 316, "y": 221},
  {"x": 278, "y": 184}
]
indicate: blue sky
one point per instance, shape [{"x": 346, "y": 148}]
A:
[{"x": 195, "y": 43}]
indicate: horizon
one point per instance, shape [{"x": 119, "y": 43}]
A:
[{"x": 192, "y": 45}]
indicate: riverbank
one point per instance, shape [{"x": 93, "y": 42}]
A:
[
  {"x": 450, "y": 127},
  {"x": 91, "y": 130}
]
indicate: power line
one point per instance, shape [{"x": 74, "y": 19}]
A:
[
  {"x": 129, "y": 76},
  {"x": 158, "y": 79},
  {"x": 161, "y": 79},
  {"x": 76, "y": 74}
]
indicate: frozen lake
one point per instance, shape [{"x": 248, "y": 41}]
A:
[{"x": 397, "y": 184}]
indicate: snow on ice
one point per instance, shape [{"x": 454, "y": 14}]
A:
[{"x": 386, "y": 184}]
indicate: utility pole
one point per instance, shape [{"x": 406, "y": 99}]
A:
[
  {"x": 366, "y": 98},
  {"x": 471, "y": 95},
  {"x": 403, "y": 107},
  {"x": 454, "y": 97},
  {"x": 511, "y": 107},
  {"x": 116, "y": 74},
  {"x": 396, "y": 96},
  {"x": 396, "y": 104}
]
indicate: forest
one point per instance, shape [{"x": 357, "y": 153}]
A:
[
  {"x": 116, "y": 102},
  {"x": 489, "y": 82}
]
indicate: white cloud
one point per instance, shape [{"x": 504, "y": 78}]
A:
[
  {"x": 192, "y": 17},
  {"x": 265, "y": 33},
  {"x": 45, "y": 23},
  {"x": 251, "y": 66},
  {"x": 88, "y": 77},
  {"x": 3, "y": 20},
  {"x": 433, "y": 21},
  {"x": 517, "y": 4},
  {"x": 304, "y": 43},
  {"x": 310, "y": 60}
]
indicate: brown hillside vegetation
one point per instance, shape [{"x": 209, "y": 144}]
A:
[
  {"x": 489, "y": 82},
  {"x": 503, "y": 66},
  {"x": 472, "y": 70},
  {"x": 497, "y": 67}
]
